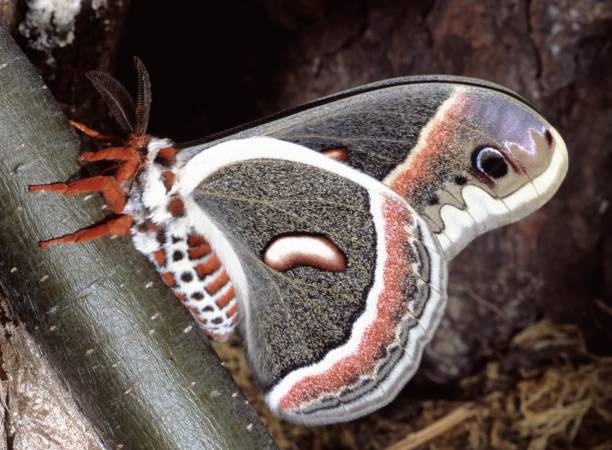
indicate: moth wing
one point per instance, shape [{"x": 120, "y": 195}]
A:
[
  {"x": 417, "y": 136},
  {"x": 326, "y": 345}
]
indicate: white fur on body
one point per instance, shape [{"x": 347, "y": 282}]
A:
[{"x": 149, "y": 201}]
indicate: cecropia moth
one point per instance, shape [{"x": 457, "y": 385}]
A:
[{"x": 325, "y": 233}]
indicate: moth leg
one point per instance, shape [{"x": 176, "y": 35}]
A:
[
  {"x": 128, "y": 170},
  {"x": 92, "y": 133},
  {"x": 107, "y": 186},
  {"x": 131, "y": 160},
  {"x": 117, "y": 226},
  {"x": 111, "y": 154}
]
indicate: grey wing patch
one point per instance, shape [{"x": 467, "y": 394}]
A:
[
  {"x": 301, "y": 313},
  {"x": 378, "y": 127},
  {"x": 326, "y": 344},
  {"x": 378, "y": 131}
]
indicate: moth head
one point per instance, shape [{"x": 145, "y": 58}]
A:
[{"x": 491, "y": 160}]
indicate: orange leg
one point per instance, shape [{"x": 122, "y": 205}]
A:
[
  {"x": 92, "y": 133},
  {"x": 107, "y": 186},
  {"x": 111, "y": 153},
  {"x": 117, "y": 226},
  {"x": 127, "y": 170}
]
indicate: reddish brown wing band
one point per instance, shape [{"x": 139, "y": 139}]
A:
[{"x": 325, "y": 345}]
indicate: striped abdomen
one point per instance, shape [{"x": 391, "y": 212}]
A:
[{"x": 188, "y": 265}]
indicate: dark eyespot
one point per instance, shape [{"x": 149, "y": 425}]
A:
[
  {"x": 490, "y": 161},
  {"x": 433, "y": 200}
]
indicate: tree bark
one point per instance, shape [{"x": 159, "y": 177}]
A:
[
  {"x": 136, "y": 365},
  {"x": 38, "y": 411}
]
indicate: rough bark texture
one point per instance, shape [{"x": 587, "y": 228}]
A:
[
  {"x": 214, "y": 67},
  {"x": 38, "y": 410}
]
